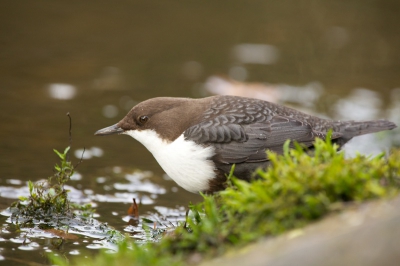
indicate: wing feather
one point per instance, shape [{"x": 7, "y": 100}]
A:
[{"x": 242, "y": 139}]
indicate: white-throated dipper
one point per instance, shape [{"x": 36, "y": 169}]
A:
[{"x": 196, "y": 141}]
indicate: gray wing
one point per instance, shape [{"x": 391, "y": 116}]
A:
[{"x": 248, "y": 142}]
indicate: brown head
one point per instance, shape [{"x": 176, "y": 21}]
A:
[{"x": 160, "y": 114}]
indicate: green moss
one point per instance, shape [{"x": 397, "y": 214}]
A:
[{"x": 297, "y": 189}]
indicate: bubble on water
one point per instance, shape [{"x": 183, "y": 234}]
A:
[
  {"x": 117, "y": 169},
  {"x": 13, "y": 181},
  {"x": 238, "y": 73},
  {"x": 249, "y": 53},
  {"x": 74, "y": 252},
  {"x": 84, "y": 154},
  {"x": 110, "y": 111},
  {"x": 101, "y": 179},
  {"x": 76, "y": 176},
  {"x": 62, "y": 91},
  {"x": 96, "y": 151}
]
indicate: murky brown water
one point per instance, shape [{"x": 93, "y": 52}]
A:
[{"x": 95, "y": 59}]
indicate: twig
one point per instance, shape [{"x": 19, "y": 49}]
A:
[
  {"x": 70, "y": 142},
  {"x": 70, "y": 135},
  {"x": 81, "y": 159}
]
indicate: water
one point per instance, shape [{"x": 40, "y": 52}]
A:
[{"x": 96, "y": 59}]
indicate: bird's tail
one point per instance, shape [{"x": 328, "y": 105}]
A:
[{"x": 351, "y": 129}]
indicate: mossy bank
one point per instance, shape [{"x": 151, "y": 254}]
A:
[{"x": 296, "y": 190}]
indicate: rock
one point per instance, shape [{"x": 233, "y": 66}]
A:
[{"x": 366, "y": 234}]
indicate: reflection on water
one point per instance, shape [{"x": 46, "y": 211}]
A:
[
  {"x": 110, "y": 111},
  {"x": 94, "y": 233},
  {"x": 333, "y": 59},
  {"x": 304, "y": 96},
  {"x": 243, "y": 54},
  {"x": 62, "y": 91},
  {"x": 249, "y": 53},
  {"x": 110, "y": 78},
  {"x": 360, "y": 104},
  {"x": 88, "y": 153}
]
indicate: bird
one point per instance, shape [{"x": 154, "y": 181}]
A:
[{"x": 197, "y": 141}]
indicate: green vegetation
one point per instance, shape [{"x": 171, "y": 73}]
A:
[
  {"x": 48, "y": 203},
  {"x": 297, "y": 189},
  {"x": 49, "y": 198}
]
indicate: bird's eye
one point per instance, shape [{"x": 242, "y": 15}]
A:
[{"x": 143, "y": 119}]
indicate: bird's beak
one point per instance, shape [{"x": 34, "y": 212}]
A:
[{"x": 114, "y": 129}]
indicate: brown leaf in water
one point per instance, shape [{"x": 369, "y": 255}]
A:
[
  {"x": 134, "y": 209},
  {"x": 62, "y": 234}
]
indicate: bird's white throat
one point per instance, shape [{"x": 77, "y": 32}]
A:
[{"x": 186, "y": 162}]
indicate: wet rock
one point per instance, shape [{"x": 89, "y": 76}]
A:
[{"x": 368, "y": 234}]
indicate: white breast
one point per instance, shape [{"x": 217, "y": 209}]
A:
[{"x": 186, "y": 162}]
